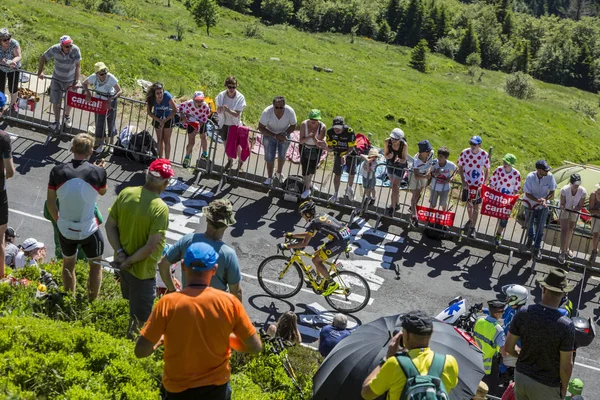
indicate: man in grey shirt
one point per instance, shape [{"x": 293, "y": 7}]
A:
[{"x": 67, "y": 64}]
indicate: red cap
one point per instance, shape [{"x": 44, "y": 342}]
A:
[{"x": 161, "y": 168}]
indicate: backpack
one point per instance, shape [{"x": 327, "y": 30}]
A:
[
  {"x": 437, "y": 233},
  {"x": 293, "y": 186},
  {"x": 423, "y": 387},
  {"x": 363, "y": 144},
  {"x": 142, "y": 142}
]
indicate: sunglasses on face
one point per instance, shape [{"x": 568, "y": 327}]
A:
[
  {"x": 6, "y": 39},
  {"x": 231, "y": 87},
  {"x": 101, "y": 73},
  {"x": 68, "y": 47},
  {"x": 279, "y": 107}
]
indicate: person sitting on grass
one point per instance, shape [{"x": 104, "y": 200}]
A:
[
  {"x": 32, "y": 252},
  {"x": 286, "y": 328},
  {"x": 332, "y": 334}
]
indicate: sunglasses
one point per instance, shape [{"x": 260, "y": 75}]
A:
[
  {"x": 231, "y": 87},
  {"x": 68, "y": 47},
  {"x": 101, "y": 73},
  {"x": 279, "y": 107},
  {"x": 6, "y": 39}
]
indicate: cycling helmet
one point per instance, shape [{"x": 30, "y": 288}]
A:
[
  {"x": 308, "y": 207},
  {"x": 516, "y": 295}
]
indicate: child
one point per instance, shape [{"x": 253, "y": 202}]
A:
[
  {"x": 367, "y": 171},
  {"x": 195, "y": 114}
]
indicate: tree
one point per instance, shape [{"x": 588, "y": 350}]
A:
[
  {"x": 205, "y": 13},
  {"x": 393, "y": 14},
  {"x": 236, "y": 5},
  {"x": 409, "y": 31},
  {"x": 418, "y": 56},
  {"x": 310, "y": 15},
  {"x": 277, "y": 11},
  {"x": 442, "y": 23},
  {"x": 584, "y": 74},
  {"x": 468, "y": 45}
]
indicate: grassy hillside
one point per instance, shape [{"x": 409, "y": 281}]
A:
[{"x": 372, "y": 85}]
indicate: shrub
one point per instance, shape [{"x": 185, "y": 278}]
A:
[
  {"x": 253, "y": 30},
  {"x": 90, "y": 5},
  {"x": 418, "y": 56},
  {"x": 587, "y": 109},
  {"x": 277, "y": 11},
  {"x": 519, "y": 85},
  {"x": 446, "y": 46},
  {"x": 109, "y": 6}
]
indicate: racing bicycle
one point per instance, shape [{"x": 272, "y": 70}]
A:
[
  {"x": 277, "y": 347},
  {"x": 283, "y": 275}
]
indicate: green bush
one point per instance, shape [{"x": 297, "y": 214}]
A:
[{"x": 519, "y": 85}]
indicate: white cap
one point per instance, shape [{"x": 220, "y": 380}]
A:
[
  {"x": 32, "y": 244},
  {"x": 397, "y": 133}
]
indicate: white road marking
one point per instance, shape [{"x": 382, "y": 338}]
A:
[
  {"x": 28, "y": 215},
  {"x": 587, "y": 366}
]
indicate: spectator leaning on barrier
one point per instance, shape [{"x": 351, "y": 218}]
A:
[
  {"x": 594, "y": 208},
  {"x": 276, "y": 124},
  {"x": 10, "y": 248},
  {"x": 331, "y": 335},
  {"x": 395, "y": 151},
  {"x": 489, "y": 336},
  {"x": 413, "y": 344},
  {"x": 421, "y": 172},
  {"x": 67, "y": 67},
  {"x": 136, "y": 227},
  {"x": 195, "y": 113},
  {"x": 538, "y": 190},
  {"x": 219, "y": 217},
  {"x": 286, "y": 328},
  {"x": 473, "y": 168},
  {"x": 7, "y": 171},
  {"x": 368, "y": 170},
  {"x": 73, "y": 188},
  {"x": 162, "y": 109},
  {"x": 442, "y": 171},
  {"x": 312, "y": 142},
  {"x": 572, "y": 199},
  {"x": 230, "y": 105},
  {"x": 199, "y": 325},
  {"x": 10, "y": 62},
  {"x": 505, "y": 179},
  {"x": 545, "y": 361},
  {"x": 106, "y": 87},
  {"x": 342, "y": 141}
]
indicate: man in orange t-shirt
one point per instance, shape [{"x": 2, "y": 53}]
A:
[{"x": 199, "y": 325}]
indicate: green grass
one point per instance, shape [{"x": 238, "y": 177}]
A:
[{"x": 370, "y": 82}]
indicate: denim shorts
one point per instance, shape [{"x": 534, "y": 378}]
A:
[{"x": 272, "y": 146}]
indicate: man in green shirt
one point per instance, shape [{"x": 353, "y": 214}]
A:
[{"x": 136, "y": 227}]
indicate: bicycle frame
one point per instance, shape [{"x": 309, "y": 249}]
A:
[{"x": 296, "y": 257}]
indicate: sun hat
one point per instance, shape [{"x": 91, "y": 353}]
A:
[
  {"x": 417, "y": 322},
  {"x": 373, "y": 152},
  {"x": 220, "y": 211},
  {"x": 424, "y": 146},
  {"x": 161, "y": 168},
  {"x": 198, "y": 95},
  {"x": 496, "y": 306},
  {"x": 4, "y": 33},
  {"x": 314, "y": 114},
  {"x": 542, "y": 164},
  {"x": 575, "y": 179},
  {"x": 556, "y": 281},
  {"x": 66, "y": 40},
  {"x": 2, "y": 99},
  {"x": 100, "y": 66},
  {"x": 200, "y": 257},
  {"x": 397, "y": 134},
  {"x": 32, "y": 244},
  {"x": 510, "y": 159},
  {"x": 575, "y": 386},
  {"x": 482, "y": 391},
  {"x": 475, "y": 140},
  {"x": 338, "y": 122}
]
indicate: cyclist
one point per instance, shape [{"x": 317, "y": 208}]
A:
[{"x": 337, "y": 233}]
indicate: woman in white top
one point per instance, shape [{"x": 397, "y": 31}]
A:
[
  {"x": 572, "y": 198},
  {"x": 106, "y": 87}
]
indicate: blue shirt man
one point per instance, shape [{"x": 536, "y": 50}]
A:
[{"x": 332, "y": 334}]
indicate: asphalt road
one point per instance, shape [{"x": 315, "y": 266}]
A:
[{"x": 405, "y": 270}]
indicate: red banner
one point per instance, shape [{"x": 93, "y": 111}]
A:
[
  {"x": 434, "y": 216},
  {"x": 496, "y": 204},
  {"x": 96, "y": 105}
]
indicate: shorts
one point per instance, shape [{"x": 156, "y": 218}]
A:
[
  {"x": 167, "y": 125},
  {"x": 351, "y": 164},
  {"x": 595, "y": 224},
  {"x": 332, "y": 249},
  {"x": 396, "y": 170},
  {"x": 273, "y": 146},
  {"x": 190, "y": 130},
  {"x": 309, "y": 160},
  {"x": 416, "y": 184},
  {"x": 223, "y": 132},
  {"x": 3, "y": 207},
  {"x": 92, "y": 246},
  {"x": 571, "y": 216},
  {"x": 441, "y": 196},
  {"x": 212, "y": 392},
  {"x": 140, "y": 293},
  {"x": 369, "y": 183},
  {"x": 57, "y": 90}
]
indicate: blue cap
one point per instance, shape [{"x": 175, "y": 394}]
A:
[
  {"x": 424, "y": 146},
  {"x": 475, "y": 140},
  {"x": 542, "y": 164},
  {"x": 200, "y": 256},
  {"x": 2, "y": 99}
]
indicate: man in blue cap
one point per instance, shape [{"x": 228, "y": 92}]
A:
[{"x": 199, "y": 326}]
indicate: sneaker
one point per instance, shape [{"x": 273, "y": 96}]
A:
[
  {"x": 268, "y": 182},
  {"x": 467, "y": 226},
  {"x": 570, "y": 254},
  {"x": 372, "y": 201},
  {"x": 529, "y": 243},
  {"x": 228, "y": 166},
  {"x": 414, "y": 221},
  {"x": 305, "y": 194},
  {"x": 593, "y": 257},
  {"x": 330, "y": 287},
  {"x": 204, "y": 154},
  {"x": 15, "y": 108},
  {"x": 67, "y": 122},
  {"x": 561, "y": 258},
  {"x": 334, "y": 198},
  {"x": 186, "y": 161},
  {"x": 389, "y": 212},
  {"x": 538, "y": 254},
  {"x": 350, "y": 193},
  {"x": 99, "y": 149},
  {"x": 498, "y": 239},
  {"x": 53, "y": 126},
  {"x": 472, "y": 234},
  {"x": 279, "y": 177}
]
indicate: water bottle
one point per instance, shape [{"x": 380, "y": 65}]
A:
[
  {"x": 41, "y": 291},
  {"x": 47, "y": 280}
]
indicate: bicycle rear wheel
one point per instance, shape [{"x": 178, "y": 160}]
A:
[
  {"x": 278, "y": 278},
  {"x": 353, "y": 293}
]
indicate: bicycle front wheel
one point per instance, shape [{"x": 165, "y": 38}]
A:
[
  {"x": 353, "y": 293},
  {"x": 279, "y": 278}
]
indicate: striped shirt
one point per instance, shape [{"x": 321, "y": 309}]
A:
[{"x": 64, "y": 64}]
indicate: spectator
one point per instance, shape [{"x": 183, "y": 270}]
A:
[
  {"x": 368, "y": 170},
  {"x": 413, "y": 342},
  {"x": 72, "y": 192},
  {"x": 276, "y": 124},
  {"x": 106, "y": 87},
  {"x": 286, "y": 328},
  {"x": 505, "y": 179},
  {"x": 195, "y": 114},
  {"x": 32, "y": 252},
  {"x": 342, "y": 141},
  {"x": 490, "y": 338},
  {"x": 538, "y": 190},
  {"x": 421, "y": 172},
  {"x": 482, "y": 391},
  {"x": 442, "y": 171},
  {"x": 473, "y": 168},
  {"x": 230, "y": 105},
  {"x": 312, "y": 141},
  {"x": 516, "y": 298},
  {"x": 332, "y": 334},
  {"x": 575, "y": 389},
  {"x": 67, "y": 66},
  {"x": 6, "y": 171},
  {"x": 395, "y": 151},
  {"x": 197, "y": 354},
  {"x": 594, "y": 207},
  {"x": 219, "y": 216},
  {"x": 136, "y": 227},
  {"x": 545, "y": 361},
  {"x": 572, "y": 199},
  {"x": 161, "y": 287},
  {"x": 162, "y": 109},
  {"x": 10, "y": 248},
  {"x": 10, "y": 62}
]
